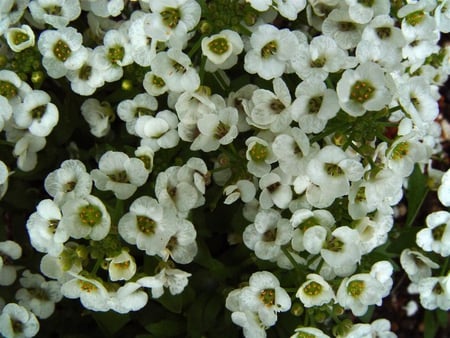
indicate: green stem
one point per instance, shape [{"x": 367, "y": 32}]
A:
[
  {"x": 416, "y": 211},
  {"x": 97, "y": 265},
  {"x": 445, "y": 266},
  {"x": 293, "y": 262}
]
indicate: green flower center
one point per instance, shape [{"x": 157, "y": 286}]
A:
[
  {"x": 90, "y": 215},
  {"x": 437, "y": 289},
  {"x": 400, "y": 151},
  {"x": 146, "y": 225},
  {"x": 303, "y": 334},
  {"x": 267, "y": 296},
  {"x": 20, "y": 37},
  {"x": 142, "y": 111},
  {"x": 277, "y": 106},
  {"x": 334, "y": 244},
  {"x": 366, "y": 3},
  {"x": 318, "y": 63},
  {"x": 221, "y": 130},
  {"x": 62, "y": 50},
  {"x": 8, "y": 90},
  {"x": 158, "y": 81},
  {"x": 273, "y": 187},
  {"x": 38, "y": 293},
  {"x": 17, "y": 326},
  {"x": 355, "y": 288},
  {"x": 69, "y": 186},
  {"x": 259, "y": 152},
  {"x": 333, "y": 169},
  {"x": 52, "y": 225},
  {"x": 308, "y": 223},
  {"x": 313, "y": 289},
  {"x": 269, "y": 235},
  {"x": 314, "y": 104},
  {"x": 383, "y": 32},
  {"x": 219, "y": 46},
  {"x": 119, "y": 177},
  {"x": 38, "y": 112},
  {"x": 360, "y": 195},
  {"x": 147, "y": 161},
  {"x": 53, "y": 10},
  {"x": 172, "y": 244},
  {"x": 116, "y": 54},
  {"x": 171, "y": 16},
  {"x": 269, "y": 49},
  {"x": 415, "y": 18},
  {"x": 361, "y": 91},
  {"x": 438, "y": 232},
  {"x": 85, "y": 72},
  {"x": 87, "y": 286},
  {"x": 346, "y": 26},
  {"x": 179, "y": 68}
]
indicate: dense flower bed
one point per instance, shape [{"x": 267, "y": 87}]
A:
[{"x": 221, "y": 168}]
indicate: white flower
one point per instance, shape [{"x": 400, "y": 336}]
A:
[
  {"x": 159, "y": 131},
  {"x": 88, "y": 77},
  {"x": 104, "y": 8},
  {"x": 264, "y": 296},
  {"x": 309, "y": 331},
  {"x": 343, "y": 29},
  {"x": 92, "y": 293},
  {"x": 121, "y": 267},
  {"x": 85, "y": 217},
  {"x": 181, "y": 247},
  {"x": 363, "y": 12},
  {"x": 38, "y": 295},
  {"x": 98, "y": 115},
  {"x": 9, "y": 250},
  {"x": 222, "y": 49},
  {"x": 5, "y": 113},
  {"x": 216, "y": 129},
  {"x": 275, "y": 190},
  {"x": 373, "y": 231},
  {"x": 444, "y": 189},
  {"x": 113, "y": 55},
  {"x": 68, "y": 182},
  {"x": 436, "y": 236},
  {"x": 322, "y": 56},
  {"x": 271, "y": 110},
  {"x": 143, "y": 48},
  {"x": 363, "y": 89},
  {"x": 251, "y": 324},
  {"x": 154, "y": 84},
  {"x": 378, "y": 328},
  {"x": 260, "y": 5},
  {"x": 332, "y": 170},
  {"x": 17, "y": 322},
  {"x": 435, "y": 293},
  {"x": 12, "y": 88},
  {"x": 416, "y": 265},
  {"x": 43, "y": 228},
  {"x": 11, "y": 11},
  {"x": 147, "y": 225},
  {"x": 61, "y": 267},
  {"x": 270, "y": 51},
  {"x": 342, "y": 249},
  {"x": 4, "y": 176},
  {"x": 25, "y": 150},
  {"x": 128, "y": 297},
  {"x": 56, "y": 13},
  {"x": 145, "y": 154},
  {"x": 314, "y": 105},
  {"x": 267, "y": 234},
  {"x": 243, "y": 189},
  {"x": 259, "y": 155},
  {"x": 289, "y": 9},
  {"x": 61, "y": 50},
  {"x": 130, "y": 111},
  {"x": 20, "y": 38},
  {"x": 37, "y": 113},
  {"x": 174, "y": 279},
  {"x": 315, "y": 291},
  {"x": 358, "y": 292},
  {"x": 119, "y": 173},
  {"x": 171, "y": 20},
  {"x": 176, "y": 70}
]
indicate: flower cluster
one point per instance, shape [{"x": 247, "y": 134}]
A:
[{"x": 304, "y": 120}]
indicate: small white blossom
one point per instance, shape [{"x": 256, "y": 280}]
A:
[{"x": 18, "y": 322}]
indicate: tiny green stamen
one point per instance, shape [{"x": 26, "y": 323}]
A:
[
  {"x": 259, "y": 152},
  {"x": 355, "y": 288},
  {"x": 438, "y": 232},
  {"x": 62, "y": 50},
  {"x": 116, "y": 54},
  {"x": 119, "y": 176},
  {"x": 90, "y": 215},
  {"x": 219, "y": 46},
  {"x": 38, "y": 112},
  {"x": 269, "y": 49},
  {"x": 333, "y": 169},
  {"x": 400, "y": 151},
  {"x": 312, "y": 289},
  {"x": 8, "y": 90},
  {"x": 314, "y": 104},
  {"x": 146, "y": 225},
  {"x": 171, "y": 17},
  {"x": 362, "y": 91},
  {"x": 267, "y": 296}
]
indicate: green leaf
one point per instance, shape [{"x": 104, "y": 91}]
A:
[
  {"x": 430, "y": 325},
  {"x": 110, "y": 322},
  {"x": 173, "y": 303},
  {"x": 416, "y": 194},
  {"x": 166, "y": 328}
]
